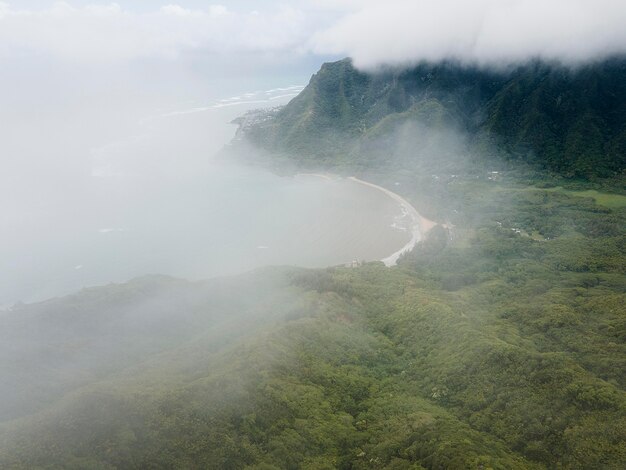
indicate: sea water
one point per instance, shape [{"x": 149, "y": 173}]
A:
[{"x": 159, "y": 202}]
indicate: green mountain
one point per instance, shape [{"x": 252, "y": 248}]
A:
[
  {"x": 499, "y": 342},
  {"x": 570, "y": 121}
]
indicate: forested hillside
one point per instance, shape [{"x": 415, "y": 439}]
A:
[
  {"x": 500, "y": 349},
  {"x": 568, "y": 120},
  {"x": 499, "y": 342}
]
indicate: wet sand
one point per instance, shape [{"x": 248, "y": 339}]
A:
[{"x": 419, "y": 224}]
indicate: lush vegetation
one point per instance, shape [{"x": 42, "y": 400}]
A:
[
  {"x": 571, "y": 121},
  {"x": 498, "y": 342},
  {"x": 498, "y": 348}
]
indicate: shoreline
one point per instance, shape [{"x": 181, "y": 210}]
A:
[
  {"x": 328, "y": 177},
  {"x": 420, "y": 225}
]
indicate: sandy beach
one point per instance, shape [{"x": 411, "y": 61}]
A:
[
  {"x": 318, "y": 175},
  {"x": 420, "y": 225}
]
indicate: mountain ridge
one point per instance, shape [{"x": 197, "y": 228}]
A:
[
  {"x": 501, "y": 345},
  {"x": 569, "y": 121}
]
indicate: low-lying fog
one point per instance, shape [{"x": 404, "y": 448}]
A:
[{"x": 107, "y": 177}]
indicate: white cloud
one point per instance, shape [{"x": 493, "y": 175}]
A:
[
  {"x": 176, "y": 10},
  {"x": 478, "y": 31},
  {"x": 372, "y": 32},
  {"x": 109, "y": 32},
  {"x": 217, "y": 10}
]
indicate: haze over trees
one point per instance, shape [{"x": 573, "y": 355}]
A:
[
  {"x": 131, "y": 145},
  {"x": 568, "y": 121},
  {"x": 498, "y": 342}
]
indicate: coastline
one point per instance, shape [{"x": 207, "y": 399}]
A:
[
  {"x": 329, "y": 176},
  {"x": 420, "y": 225}
]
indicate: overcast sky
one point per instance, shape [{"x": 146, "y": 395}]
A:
[{"x": 372, "y": 32}]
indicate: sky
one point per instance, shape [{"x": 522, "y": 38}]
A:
[
  {"x": 374, "y": 33},
  {"x": 81, "y": 81}
]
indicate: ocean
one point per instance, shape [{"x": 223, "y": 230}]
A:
[{"x": 158, "y": 202}]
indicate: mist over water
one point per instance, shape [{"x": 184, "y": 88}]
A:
[{"x": 153, "y": 200}]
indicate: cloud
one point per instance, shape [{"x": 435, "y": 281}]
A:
[
  {"x": 109, "y": 32},
  {"x": 395, "y": 32},
  {"x": 398, "y": 32}
]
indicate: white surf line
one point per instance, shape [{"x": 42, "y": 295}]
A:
[
  {"x": 218, "y": 105},
  {"x": 293, "y": 87},
  {"x": 238, "y": 103},
  {"x": 419, "y": 227},
  {"x": 288, "y": 95},
  {"x": 234, "y": 101},
  {"x": 318, "y": 175}
]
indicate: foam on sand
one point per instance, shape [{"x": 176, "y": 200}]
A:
[{"x": 419, "y": 224}]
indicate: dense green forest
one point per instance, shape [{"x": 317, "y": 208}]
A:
[
  {"x": 572, "y": 121},
  {"x": 499, "y": 342}
]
